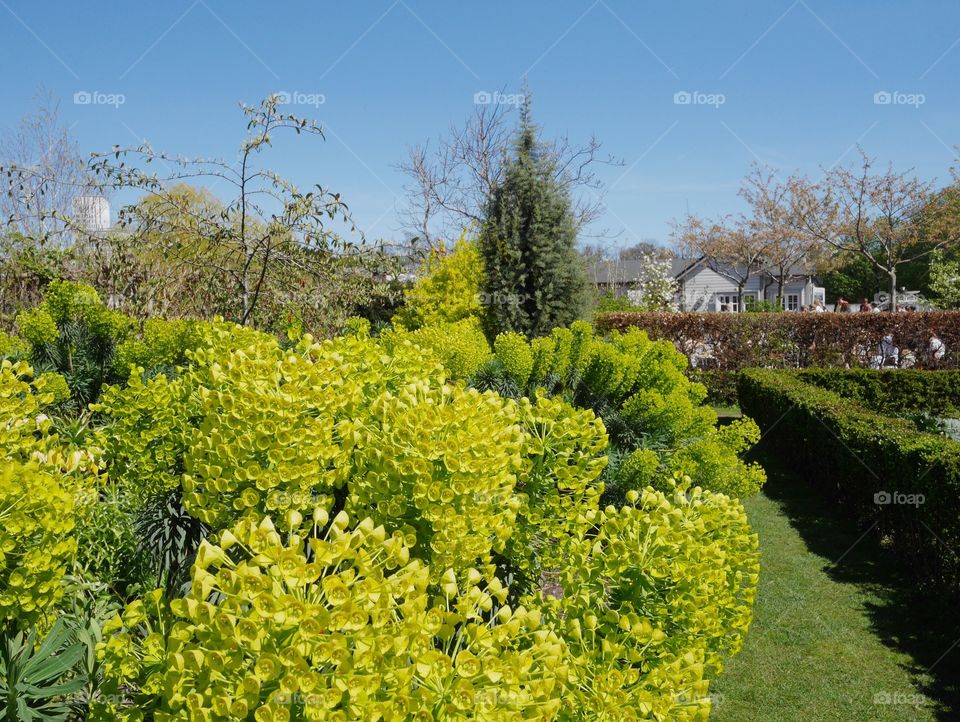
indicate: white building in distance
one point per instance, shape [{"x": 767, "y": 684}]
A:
[{"x": 92, "y": 213}]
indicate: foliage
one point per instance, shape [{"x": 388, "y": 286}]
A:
[
  {"x": 609, "y": 302},
  {"x": 168, "y": 538},
  {"x": 163, "y": 344},
  {"x": 945, "y": 280},
  {"x": 461, "y": 346},
  {"x": 448, "y": 288},
  {"x": 11, "y": 346},
  {"x": 73, "y": 333},
  {"x": 35, "y": 676},
  {"x": 893, "y": 391},
  {"x": 37, "y": 516},
  {"x": 655, "y": 599},
  {"x": 347, "y": 529},
  {"x": 733, "y": 341},
  {"x": 834, "y": 438},
  {"x": 533, "y": 280},
  {"x": 107, "y": 544},
  {"x": 346, "y": 626},
  {"x": 641, "y": 390}
]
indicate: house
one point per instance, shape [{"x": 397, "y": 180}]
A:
[{"x": 704, "y": 286}]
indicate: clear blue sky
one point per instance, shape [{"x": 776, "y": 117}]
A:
[{"x": 798, "y": 81}]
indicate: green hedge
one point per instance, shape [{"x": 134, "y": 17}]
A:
[
  {"x": 896, "y": 390},
  {"x": 855, "y": 454}
]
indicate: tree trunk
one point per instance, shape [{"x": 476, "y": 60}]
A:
[{"x": 893, "y": 289}]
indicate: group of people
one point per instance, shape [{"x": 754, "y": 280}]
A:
[
  {"x": 890, "y": 356},
  {"x": 843, "y": 306}
]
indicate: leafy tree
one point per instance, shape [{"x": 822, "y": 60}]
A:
[
  {"x": 945, "y": 280},
  {"x": 268, "y": 249},
  {"x": 533, "y": 280},
  {"x": 889, "y": 219}
]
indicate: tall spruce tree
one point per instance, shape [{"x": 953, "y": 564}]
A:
[{"x": 534, "y": 280}]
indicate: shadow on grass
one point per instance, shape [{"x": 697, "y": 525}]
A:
[{"x": 921, "y": 624}]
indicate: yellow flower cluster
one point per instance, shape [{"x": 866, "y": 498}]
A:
[
  {"x": 36, "y": 544},
  {"x": 654, "y": 601},
  {"x": 344, "y": 627}
]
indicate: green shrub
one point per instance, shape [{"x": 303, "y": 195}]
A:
[
  {"x": 864, "y": 458},
  {"x": 448, "y": 288},
  {"x": 371, "y": 537},
  {"x": 655, "y": 599},
  {"x": 73, "y": 333},
  {"x": 36, "y": 541},
  {"x": 347, "y": 626},
  {"x": 893, "y": 390}
]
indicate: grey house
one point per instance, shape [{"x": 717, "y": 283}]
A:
[{"x": 702, "y": 286}]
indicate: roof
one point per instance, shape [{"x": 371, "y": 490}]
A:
[{"x": 609, "y": 272}]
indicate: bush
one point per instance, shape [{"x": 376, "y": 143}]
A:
[
  {"x": 73, "y": 333},
  {"x": 36, "y": 541},
  {"x": 448, "y": 288},
  {"x": 640, "y": 389},
  {"x": 471, "y": 504},
  {"x": 372, "y": 538},
  {"x": 893, "y": 390},
  {"x": 863, "y": 458},
  {"x": 346, "y": 626},
  {"x": 733, "y": 341},
  {"x": 669, "y": 578}
]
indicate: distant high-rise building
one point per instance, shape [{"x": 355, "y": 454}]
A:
[{"x": 92, "y": 213}]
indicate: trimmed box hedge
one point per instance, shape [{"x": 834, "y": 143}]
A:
[
  {"x": 893, "y": 390},
  {"x": 871, "y": 464},
  {"x": 735, "y": 341}
]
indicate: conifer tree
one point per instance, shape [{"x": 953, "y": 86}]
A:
[{"x": 534, "y": 279}]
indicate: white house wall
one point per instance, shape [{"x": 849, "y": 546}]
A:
[{"x": 701, "y": 286}]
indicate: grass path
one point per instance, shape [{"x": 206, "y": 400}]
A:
[{"x": 835, "y": 625}]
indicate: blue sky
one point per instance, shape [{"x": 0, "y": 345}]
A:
[{"x": 797, "y": 81}]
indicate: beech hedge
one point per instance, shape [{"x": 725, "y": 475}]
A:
[
  {"x": 733, "y": 341},
  {"x": 901, "y": 483}
]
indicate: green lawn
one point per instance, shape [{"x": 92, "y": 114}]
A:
[{"x": 835, "y": 625}]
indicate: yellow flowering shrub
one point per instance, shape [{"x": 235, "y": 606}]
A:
[
  {"x": 36, "y": 543},
  {"x": 484, "y": 580},
  {"x": 564, "y": 454},
  {"x": 448, "y": 288},
  {"x": 162, "y": 344},
  {"x": 513, "y": 351},
  {"x": 11, "y": 345},
  {"x": 343, "y": 627},
  {"x": 24, "y": 427},
  {"x": 460, "y": 346},
  {"x": 652, "y": 602}
]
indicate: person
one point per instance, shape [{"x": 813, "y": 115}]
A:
[
  {"x": 865, "y": 306},
  {"x": 843, "y": 306},
  {"x": 724, "y": 308},
  {"x": 818, "y": 307},
  {"x": 889, "y": 353},
  {"x": 936, "y": 348}
]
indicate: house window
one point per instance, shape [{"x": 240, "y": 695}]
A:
[
  {"x": 791, "y": 302},
  {"x": 730, "y": 301}
]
